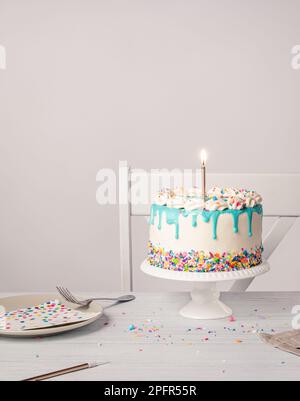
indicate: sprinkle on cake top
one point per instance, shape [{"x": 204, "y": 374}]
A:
[{"x": 217, "y": 199}]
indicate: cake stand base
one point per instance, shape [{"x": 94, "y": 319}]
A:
[{"x": 205, "y": 303}]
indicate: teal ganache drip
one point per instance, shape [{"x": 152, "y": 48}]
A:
[
  {"x": 195, "y": 220},
  {"x": 250, "y": 219},
  {"x": 235, "y": 222},
  {"x": 172, "y": 217}
]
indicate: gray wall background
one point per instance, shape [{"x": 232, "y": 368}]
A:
[{"x": 89, "y": 83}]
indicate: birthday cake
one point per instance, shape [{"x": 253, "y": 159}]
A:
[{"x": 222, "y": 234}]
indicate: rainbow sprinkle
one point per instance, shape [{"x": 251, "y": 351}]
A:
[{"x": 201, "y": 262}]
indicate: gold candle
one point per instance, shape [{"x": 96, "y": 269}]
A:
[{"x": 203, "y": 158}]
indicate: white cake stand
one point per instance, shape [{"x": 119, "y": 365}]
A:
[{"x": 205, "y": 303}]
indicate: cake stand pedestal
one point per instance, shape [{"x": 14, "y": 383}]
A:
[{"x": 205, "y": 303}]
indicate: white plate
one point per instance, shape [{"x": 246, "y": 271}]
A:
[{"x": 25, "y": 301}]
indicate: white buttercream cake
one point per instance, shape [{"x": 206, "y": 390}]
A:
[{"x": 222, "y": 234}]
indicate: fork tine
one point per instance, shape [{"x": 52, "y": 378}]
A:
[
  {"x": 75, "y": 300},
  {"x": 59, "y": 289},
  {"x": 69, "y": 296},
  {"x": 63, "y": 292}
]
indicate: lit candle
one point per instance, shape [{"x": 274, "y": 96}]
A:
[{"x": 203, "y": 157}]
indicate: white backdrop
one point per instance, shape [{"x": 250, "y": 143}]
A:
[{"x": 89, "y": 83}]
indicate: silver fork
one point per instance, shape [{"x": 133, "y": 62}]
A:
[{"x": 64, "y": 292}]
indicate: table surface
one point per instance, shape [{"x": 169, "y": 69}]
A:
[{"x": 165, "y": 346}]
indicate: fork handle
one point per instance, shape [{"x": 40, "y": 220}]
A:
[{"x": 103, "y": 299}]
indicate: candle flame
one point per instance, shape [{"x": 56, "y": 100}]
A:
[{"x": 203, "y": 157}]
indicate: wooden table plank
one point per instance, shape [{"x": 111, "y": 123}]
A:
[{"x": 180, "y": 349}]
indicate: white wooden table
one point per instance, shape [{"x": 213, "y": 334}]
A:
[{"x": 168, "y": 347}]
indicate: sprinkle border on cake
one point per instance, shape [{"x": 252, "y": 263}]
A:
[{"x": 200, "y": 262}]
